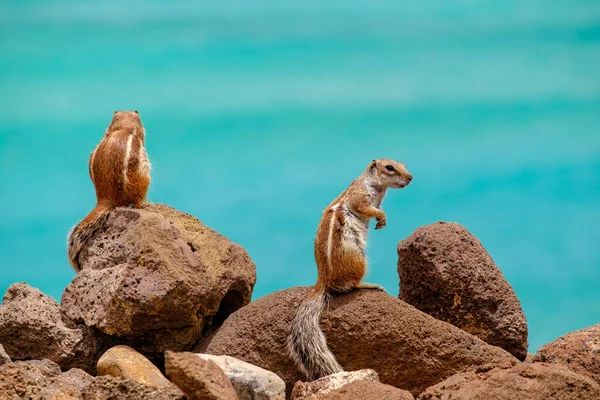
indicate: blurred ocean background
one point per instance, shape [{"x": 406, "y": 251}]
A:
[{"x": 260, "y": 113}]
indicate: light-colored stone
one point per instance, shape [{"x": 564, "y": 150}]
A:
[
  {"x": 249, "y": 381},
  {"x": 4, "y": 358},
  {"x": 124, "y": 362},
  {"x": 322, "y": 386},
  {"x": 199, "y": 379}
]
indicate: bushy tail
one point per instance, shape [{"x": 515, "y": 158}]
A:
[
  {"x": 307, "y": 344},
  {"x": 79, "y": 235}
]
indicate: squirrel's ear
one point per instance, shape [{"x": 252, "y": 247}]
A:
[{"x": 373, "y": 163}]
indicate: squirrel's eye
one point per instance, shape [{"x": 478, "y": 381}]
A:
[{"x": 389, "y": 167}]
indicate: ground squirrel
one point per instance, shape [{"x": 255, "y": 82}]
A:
[
  {"x": 120, "y": 170},
  {"x": 341, "y": 261}
]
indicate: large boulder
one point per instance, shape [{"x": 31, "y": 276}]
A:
[
  {"x": 155, "y": 278},
  {"x": 446, "y": 272},
  {"x": 523, "y": 382},
  {"x": 198, "y": 378},
  {"x": 578, "y": 351},
  {"x": 32, "y": 326},
  {"x": 365, "y": 329}
]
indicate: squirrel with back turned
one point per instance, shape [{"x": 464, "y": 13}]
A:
[
  {"x": 341, "y": 260},
  {"x": 120, "y": 170}
]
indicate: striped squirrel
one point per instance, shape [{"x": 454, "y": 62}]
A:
[
  {"x": 341, "y": 261},
  {"x": 120, "y": 170}
]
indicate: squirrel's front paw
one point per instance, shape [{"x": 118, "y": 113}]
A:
[{"x": 380, "y": 224}]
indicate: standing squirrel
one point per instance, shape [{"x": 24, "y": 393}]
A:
[
  {"x": 120, "y": 171},
  {"x": 341, "y": 260}
]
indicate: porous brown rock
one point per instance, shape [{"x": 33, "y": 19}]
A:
[
  {"x": 446, "y": 272},
  {"x": 365, "y": 390},
  {"x": 112, "y": 388},
  {"x": 155, "y": 278},
  {"x": 124, "y": 362},
  {"x": 198, "y": 378},
  {"x": 523, "y": 382},
  {"x": 578, "y": 351},
  {"x": 365, "y": 329},
  {"x": 67, "y": 385},
  {"x": 41, "y": 379},
  {"x": 75, "y": 377},
  {"x": 32, "y": 326},
  {"x": 26, "y": 379},
  {"x": 326, "y": 384}
]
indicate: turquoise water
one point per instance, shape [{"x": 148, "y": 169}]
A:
[{"x": 260, "y": 113}]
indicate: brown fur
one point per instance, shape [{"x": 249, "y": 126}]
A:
[
  {"x": 340, "y": 247},
  {"x": 120, "y": 171},
  {"x": 343, "y": 269}
]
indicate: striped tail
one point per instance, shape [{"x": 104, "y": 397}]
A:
[
  {"x": 307, "y": 344},
  {"x": 79, "y": 235}
]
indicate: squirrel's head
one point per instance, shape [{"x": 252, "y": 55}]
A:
[
  {"x": 125, "y": 120},
  {"x": 390, "y": 173}
]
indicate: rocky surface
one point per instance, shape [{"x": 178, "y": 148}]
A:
[
  {"x": 445, "y": 272},
  {"x": 523, "y": 382},
  {"x": 42, "y": 380},
  {"x": 157, "y": 279},
  {"x": 112, "y": 388},
  {"x": 154, "y": 278},
  {"x": 249, "y": 381},
  {"x": 75, "y": 377},
  {"x": 67, "y": 385},
  {"x": 365, "y": 329},
  {"x": 326, "y": 384},
  {"x": 26, "y": 379},
  {"x": 365, "y": 390},
  {"x": 33, "y": 327},
  {"x": 124, "y": 362},
  {"x": 199, "y": 379},
  {"x": 578, "y": 351}
]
